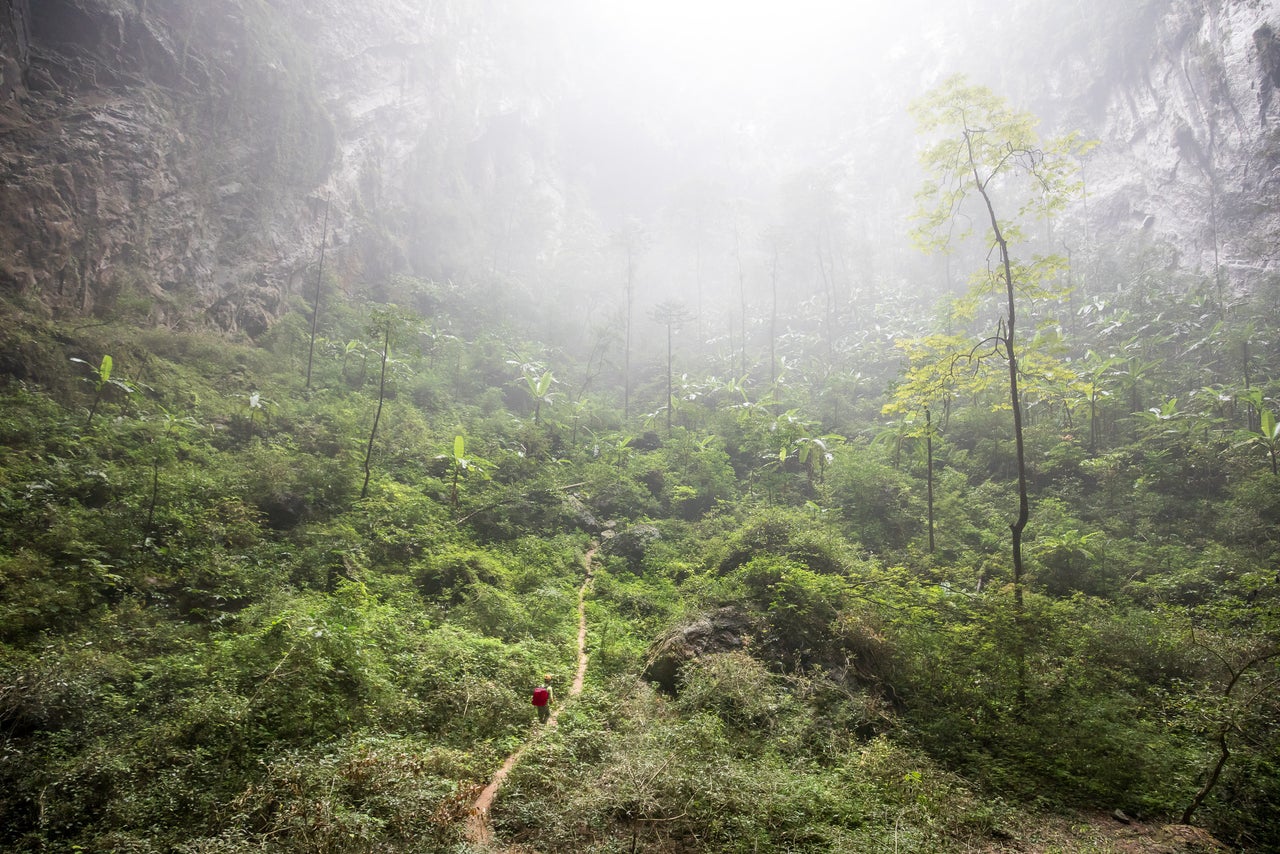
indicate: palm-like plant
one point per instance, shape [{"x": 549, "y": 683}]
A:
[
  {"x": 461, "y": 465},
  {"x": 102, "y": 381},
  {"x": 1267, "y": 435},
  {"x": 538, "y": 383}
]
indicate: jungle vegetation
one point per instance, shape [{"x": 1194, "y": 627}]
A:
[{"x": 290, "y": 594}]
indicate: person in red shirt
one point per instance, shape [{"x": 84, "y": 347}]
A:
[{"x": 542, "y": 699}]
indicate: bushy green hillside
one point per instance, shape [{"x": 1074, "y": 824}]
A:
[{"x": 213, "y": 641}]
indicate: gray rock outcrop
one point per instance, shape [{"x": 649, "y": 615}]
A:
[
  {"x": 722, "y": 630},
  {"x": 174, "y": 161}
]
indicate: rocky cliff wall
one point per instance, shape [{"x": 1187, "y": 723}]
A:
[
  {"x": 176, "y": 159},
  {"x": 1181, "y": 96},
  {"x": 1192, "y": 140}
]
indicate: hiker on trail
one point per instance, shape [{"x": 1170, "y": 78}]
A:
[{"x": 542, "y": 699}]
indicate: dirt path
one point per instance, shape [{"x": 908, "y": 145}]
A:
[{"x": 478, "y": 831}]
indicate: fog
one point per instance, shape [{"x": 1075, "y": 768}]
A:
[
  {"x": 742, "y": 93},
  {"x": 753, "y": 161},
  {"x": 745, "y": 145}
]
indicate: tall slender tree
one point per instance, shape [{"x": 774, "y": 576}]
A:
[
  {"x": 672, "y": 315},
  {"x": 985, "y": 152},
  {"x": 315, "y": 307},
  {"x": 742, "y": 300},
  {"x": 632, "y": 241},
  {"x": 776, "y": 249},
  {"x": 385, "y": 324}
]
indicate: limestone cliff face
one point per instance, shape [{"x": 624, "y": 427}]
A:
[
  {"x": 175, "y": 160},
  {"x": 178, "y": 157},
  {"x": 1181, "y": 97},
  {"x": 1192, "y": 151}
]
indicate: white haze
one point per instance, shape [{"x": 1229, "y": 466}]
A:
[{"x": 766, "y": 117}]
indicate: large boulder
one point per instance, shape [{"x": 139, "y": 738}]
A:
[
  {"x": 722, "y": 630},
  {"x": 631, "y": 544}
]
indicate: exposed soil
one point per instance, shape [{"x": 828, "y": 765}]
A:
[
  {"x": 1100, "y": 833},
  {"x": 478, "y": 830}
]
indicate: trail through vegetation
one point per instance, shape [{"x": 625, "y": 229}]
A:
[
  {"x": 240, "y": 613},
  {"x": 479, "y": 831}
]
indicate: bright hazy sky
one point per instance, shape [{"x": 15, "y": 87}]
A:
[
  {"x": 687, "y": 86},
  {"x": 726, "y": 47}
]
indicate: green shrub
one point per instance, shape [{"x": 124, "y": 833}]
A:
[
  {"x": 454, "y": 574},
  {"x": 879, "y": 504},
  {"x": 366, "y": 792},
  {"x": 734, "y": 686}
]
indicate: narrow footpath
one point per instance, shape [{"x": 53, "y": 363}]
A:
[{"x": 478, "y": 831}]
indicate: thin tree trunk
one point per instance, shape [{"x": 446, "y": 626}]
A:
[
  {"x": 773, "y": 323},
  {"x": 928, "y": 423},
  {"x": 377, "y": 415},
  {"x": 697, "y": 275},
  {"x": 626, "y": 359},
  {"x": 315, "y": 308},
  {"x": 155, "y": 497},
  {"x": 1251, "y": 414},
  {"x": 829, "y": 300},
  {"x": 1224, "y": 750},
  {"x": 1093, "y": 421},
  {"x": 1224, "y": 753},
  {"x": 1011, "y": 354},
  {"x": 669, "y": 380},
  {"x": 742, "y": 300}
]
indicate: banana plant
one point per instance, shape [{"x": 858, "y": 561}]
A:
[
  {"x": 540, "y": 391},
  {"x": 795, "y": 435},
  {"x": 359, "y": 350},
  {"x": 101, "y": 380},
  {"x": 461, "y": 465},
  {"x": 620, "y": 451},
  {"x": 537, "y": 382},
  {"x": 257, "y": 403},
  {"x": 1091, "y": 385},
  {"x": 816, "y": 453},
  {"x": 1176, "y": 420},
  {"x": 901, "y": 435}
]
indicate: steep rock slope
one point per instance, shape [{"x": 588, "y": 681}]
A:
[
  {"x": 1181, "y": 97},
  {"x": 177, "y": 159},
  {"x": 1193, "y": 153}
]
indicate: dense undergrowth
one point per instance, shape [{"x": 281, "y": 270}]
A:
[{"x": 212, "y": 641}]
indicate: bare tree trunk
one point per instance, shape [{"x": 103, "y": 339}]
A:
[
  {"x": 1224, "y": 730},
  {"x": 928, "y": 423},
  {"x": 773, "y": 322},
  {"x": 626, "y": 359},
  {"x": 669, "y": 380},
  {"x": 1224, "y": 753},
  {"x": 315, "y": 308},
  {"x": 742, "y": 301},
  {"x": 377, "y": 415}
]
